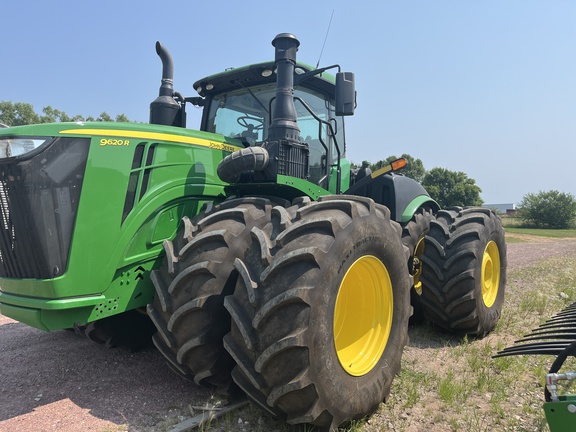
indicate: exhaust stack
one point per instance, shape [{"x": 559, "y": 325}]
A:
[{"x": 164, "y": 109}]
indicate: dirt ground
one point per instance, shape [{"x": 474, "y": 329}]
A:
[{"x": 62, "y": 382}]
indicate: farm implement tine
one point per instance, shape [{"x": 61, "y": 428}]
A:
[
  {"x": 550, "y": 338},
  {"x": 544, "y": 348}
]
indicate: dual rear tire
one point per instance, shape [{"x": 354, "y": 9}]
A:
[
  {"x": 320, "y": 313},
  {"x": 464, "y": 270},
  {"x": 318, "y": 298}
]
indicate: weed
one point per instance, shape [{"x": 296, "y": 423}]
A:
[
  {"x": 476, "y": 422},
  {"x": 536, "y": 302},
  {"x": 451, "y": 390},
  {"x": 412, "y": 383},
  {"x": 354, "y": 426}
]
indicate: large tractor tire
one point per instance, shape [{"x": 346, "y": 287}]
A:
[
  {"x": 413, "y": 234},
  {"x": 464, "y": 270},
  {"x": 320, "y": 313},
  {"x": 197, "y": 274}
]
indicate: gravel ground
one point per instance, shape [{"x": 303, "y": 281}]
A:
[
  {"x": 537, "y": 248},
  {"x": 62, "y": 382}
]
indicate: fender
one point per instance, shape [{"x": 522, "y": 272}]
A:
[{"x": 402, "y": 195}]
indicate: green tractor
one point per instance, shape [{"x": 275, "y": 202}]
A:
[{"x": 264, "y": 261}]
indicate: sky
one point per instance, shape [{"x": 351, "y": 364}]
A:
[{"x": 487, "y": 87}]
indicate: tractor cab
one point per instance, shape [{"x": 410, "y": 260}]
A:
[{"x": 239, "y": 104}]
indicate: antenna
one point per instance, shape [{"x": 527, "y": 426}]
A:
[{"x": 325, "y": 38}]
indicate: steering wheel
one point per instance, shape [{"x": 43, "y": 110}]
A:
[{"x": 243, "y": 121}]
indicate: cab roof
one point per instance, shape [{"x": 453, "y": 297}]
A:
[{"x": 253, "y": 75}]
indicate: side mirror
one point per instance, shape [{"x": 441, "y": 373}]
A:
[{"x": 345, "y": 94}]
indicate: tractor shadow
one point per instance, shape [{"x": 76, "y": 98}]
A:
[{"x": 424, "y": 335}]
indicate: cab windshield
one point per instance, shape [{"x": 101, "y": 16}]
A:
[{"x": 246, "y": 114}]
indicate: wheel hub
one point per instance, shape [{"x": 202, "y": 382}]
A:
[
  {"x": 417, "y": 266},
  {"x": 490, "y": 273},
  {"x": 363, "y": 315}
]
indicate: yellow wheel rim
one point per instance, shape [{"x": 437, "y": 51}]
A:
[
  {"x": 418, "y": 252},
  {"x": 490, "y": 273},
  {"x": 363, "y": 315}
]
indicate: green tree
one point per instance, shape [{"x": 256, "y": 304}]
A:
[
  {"x": 52, "y": 115},
  {"x": 551, "y": 209},
  {"x": 122, "y": 118},
  {"x": 104, "y": 117},
  {"x": 17, "y": 114},
  {"x": 20, "y": 113},
  {"x": 452, "y": 188}
]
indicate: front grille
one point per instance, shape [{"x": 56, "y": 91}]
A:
[{"x": 39, "y": 197}]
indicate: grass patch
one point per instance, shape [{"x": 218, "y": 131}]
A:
[
  {"x": 511, "y": 239},
  {"x": 451, "y": 389},
  {"x": 540, "y": 232},
  {"x": 518, "y": 226}
]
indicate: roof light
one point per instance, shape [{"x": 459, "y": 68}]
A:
[
  {"x": 266, "y": 73},
  {"x": 209, "y": 87}
]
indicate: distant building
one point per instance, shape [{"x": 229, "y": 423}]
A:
[{"x": 508, "y": 209}]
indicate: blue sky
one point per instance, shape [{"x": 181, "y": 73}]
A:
[{"x": 485, "y": 87}]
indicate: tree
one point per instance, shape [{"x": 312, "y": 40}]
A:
[
  {"x": 52, "y": 115},
  {"x": 122, "y": 118},
  {"x": 451, "y": 188},
  {"x": 104, "y": 117},
  {"x": 17, "y": 114},
  {"x": 551, "y": 209},
  {"x": 20, "y": 113}
]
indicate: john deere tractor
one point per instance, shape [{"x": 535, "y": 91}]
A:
[{"x": 266, "y": 263}]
